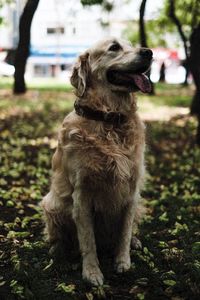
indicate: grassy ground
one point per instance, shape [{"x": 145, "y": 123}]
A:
[{"x": 168, "y": 267}]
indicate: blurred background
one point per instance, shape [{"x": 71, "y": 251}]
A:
[
  {"x": 61, "y": 30},
  {"x": 40, "y": 40}
]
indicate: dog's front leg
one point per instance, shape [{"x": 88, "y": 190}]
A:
[
  {"x": 122, "y": 258},
  {"x": 82, "y": 215}
]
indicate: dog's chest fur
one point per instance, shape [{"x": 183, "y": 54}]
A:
[{"x": 102, "y": 159}]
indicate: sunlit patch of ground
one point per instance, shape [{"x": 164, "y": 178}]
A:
[{"x": 149, "y": 111}]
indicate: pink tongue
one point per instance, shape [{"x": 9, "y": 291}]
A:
[{"x": 142, "y": 82}]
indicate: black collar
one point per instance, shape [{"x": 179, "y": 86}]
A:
[{"x": 114, "y": 118}]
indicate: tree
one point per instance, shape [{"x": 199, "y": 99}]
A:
[
  {"x": 156, "y": 30},
  {"x": 177, "y": 23},
  {"x": 194, "y": 65},
  {"x": 91, "y": 2},
  {"x": 22, "y": 51},
  {"x": 188, "y": 27},
  {"x": 106, "y": 4},
  {"x": 143, "y": 36}
]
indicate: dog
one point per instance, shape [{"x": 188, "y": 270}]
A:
[{"x": 98, "y": 167}]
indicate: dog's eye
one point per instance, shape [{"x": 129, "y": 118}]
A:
[{"x": 115, "y": 47}]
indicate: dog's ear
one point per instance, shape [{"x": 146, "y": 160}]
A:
[{"x": 80, "y": 74}]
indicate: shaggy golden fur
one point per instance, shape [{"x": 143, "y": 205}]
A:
[{"x": 98, "y": 168}]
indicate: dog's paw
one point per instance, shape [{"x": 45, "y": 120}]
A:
[
  {"x": 122, "y": 265},
  {"x": 93, "y": 275},
  {"x": 135, "y": 243}
]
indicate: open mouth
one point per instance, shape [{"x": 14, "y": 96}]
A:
[{"x": 137, "y": 80}]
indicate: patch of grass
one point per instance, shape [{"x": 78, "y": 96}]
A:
[
  {"x": 39, "y": 84},
  {"x": 34, "y": 101},
  {"x": 166, "y": 94},
  {"x": 173, "y": 101},
  {"x": 168, "y": 267},
  {"x": 171, "y": 95}
]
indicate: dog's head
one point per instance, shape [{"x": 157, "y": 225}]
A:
[{"x": 115, "y": 65}]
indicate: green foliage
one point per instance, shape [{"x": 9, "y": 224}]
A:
[
  {"x": 156, "y": 32},
  {"x": 91, "y": 2},
  {"x": 17, "y": 289},
  {"x": 2, "y": 4},
  {"x": 172, "y": 96},
  {"x": 48, "y": 84},
  {"x": 157, "y": 29},
  {"x": 105, "y": 4},
  {"x": 168, "y": 267},
  {"x": 132, "y": 33},
  {"x": 192, "y": 7},
  {"x": 68, "y": 289},
  {"x": 187, "y": 11}
]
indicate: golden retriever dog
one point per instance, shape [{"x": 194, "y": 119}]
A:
[{"x": 98, "y": 167}]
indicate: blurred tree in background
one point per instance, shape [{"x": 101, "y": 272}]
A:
[
  {"x": 143, "y": 35},
  {"x": 156, "y": 30},
  {"x": 176, "y": 16},
  {"x": 22, "y": 51},
  {"x": 185, "y": 14},
  {"x": 172, "y": 18},
  {"x": 106, "y": 4},
  {"x": 91, "y": 2}
]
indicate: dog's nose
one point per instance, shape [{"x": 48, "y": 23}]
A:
[{"x": 146, "y": 53}]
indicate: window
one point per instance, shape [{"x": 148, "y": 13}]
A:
[
  {"x": 41, "y": 70},
  {"x": 54, "y": 30}
]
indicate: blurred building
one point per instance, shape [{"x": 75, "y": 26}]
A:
[
  {"x": 63, "y": 29},
  {"x": 173, "y": 62},
  {"x": 60, "y": 31},
  {"x": 9, "y": 29}
]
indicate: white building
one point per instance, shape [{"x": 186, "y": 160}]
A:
[
  {"x": 60, "y": 31},
  {"x": 10, "y": 27},
  {"x": 63, "y": 29}
]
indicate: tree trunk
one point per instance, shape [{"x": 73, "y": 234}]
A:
[
  {"x": 22, "y": 51},
  {"x": 194, "y": 64},
  {"x": 143, "y": 37},
  {"x": 176, "y": 21},
  {"x": 192, "y": 51},
  {"x": 183, "y": 37},
  {"x": 162, "y": 73},
  {"x": 187, "y": 73}
]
